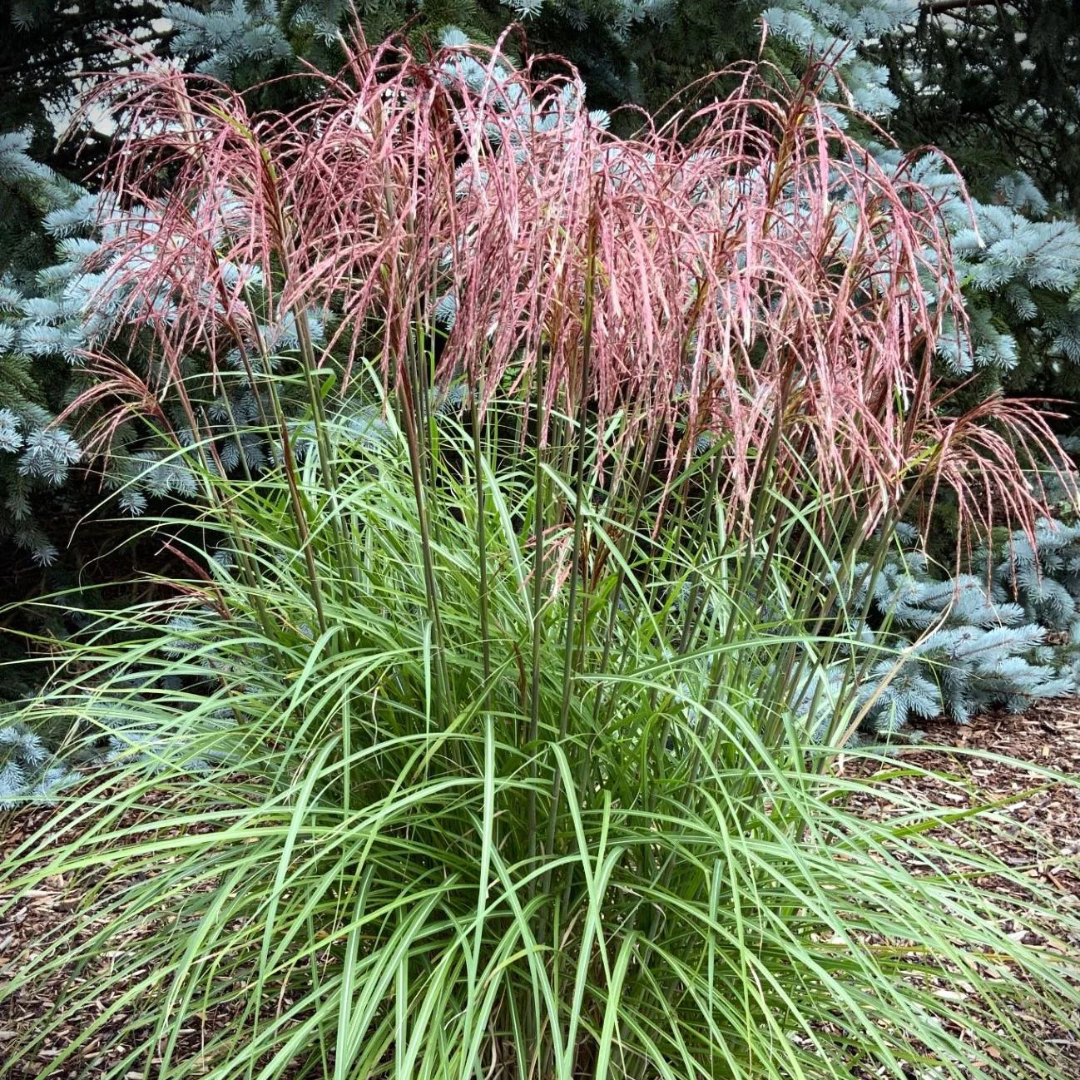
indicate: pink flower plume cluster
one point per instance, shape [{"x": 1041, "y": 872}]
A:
[{"x": 749, "y": 273}]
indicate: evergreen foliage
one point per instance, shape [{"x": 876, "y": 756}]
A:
[
  {"x": 1019, "y": 266},
  {"x": 243, "y": 44},
  {"x": 43, "y": 211},
  {"x": 1022, "y": 270},
  {"x": 967, "y": 643},
  {"x": 964, "y": 650},
  {"x": 1044, "y": 577},
  {"x": 28, "y": 771},
  {"x": 49, "y": 312},
  {"x": 994, "y": 84},
  {"x": 629, "y": 52},
  {"x": 1018, "y": 255},
  {"x": 50, "y": 53}
]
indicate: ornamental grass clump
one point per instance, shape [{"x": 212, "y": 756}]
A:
[{"x": 478, "y": 733}]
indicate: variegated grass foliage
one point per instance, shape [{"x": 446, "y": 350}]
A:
[{"x": 481, "y": 727}]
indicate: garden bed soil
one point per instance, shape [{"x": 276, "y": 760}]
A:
[
  {"x": 1036, "y": 830},
  {"x": 1041, "y": 834},
  {"x": 1042, "y": 824}
]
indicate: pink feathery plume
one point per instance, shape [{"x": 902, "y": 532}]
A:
[{"x": 763, "y": 275}]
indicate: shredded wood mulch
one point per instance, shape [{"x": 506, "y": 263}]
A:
[
  {"x": 39, "y": 918},
  {"x": 1037, "y": 831},
  {"x": 1039, "y": 826},
  {"x": 1033, "y": 827}
]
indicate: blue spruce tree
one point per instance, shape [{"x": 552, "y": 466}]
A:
[{"x": 36, "y": 455}]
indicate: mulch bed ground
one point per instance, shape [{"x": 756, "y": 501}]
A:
[
  {"x": 1041, "y": 827},
  {"x": 1040, "y": 832},
  {"x": 1035, "y": 828},
  {"x": 41, "y": 916}
]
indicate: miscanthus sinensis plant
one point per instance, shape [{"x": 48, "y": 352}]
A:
[
  {"x": 1018, "y": 259},
  {"x": 473, "y": 727}
]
